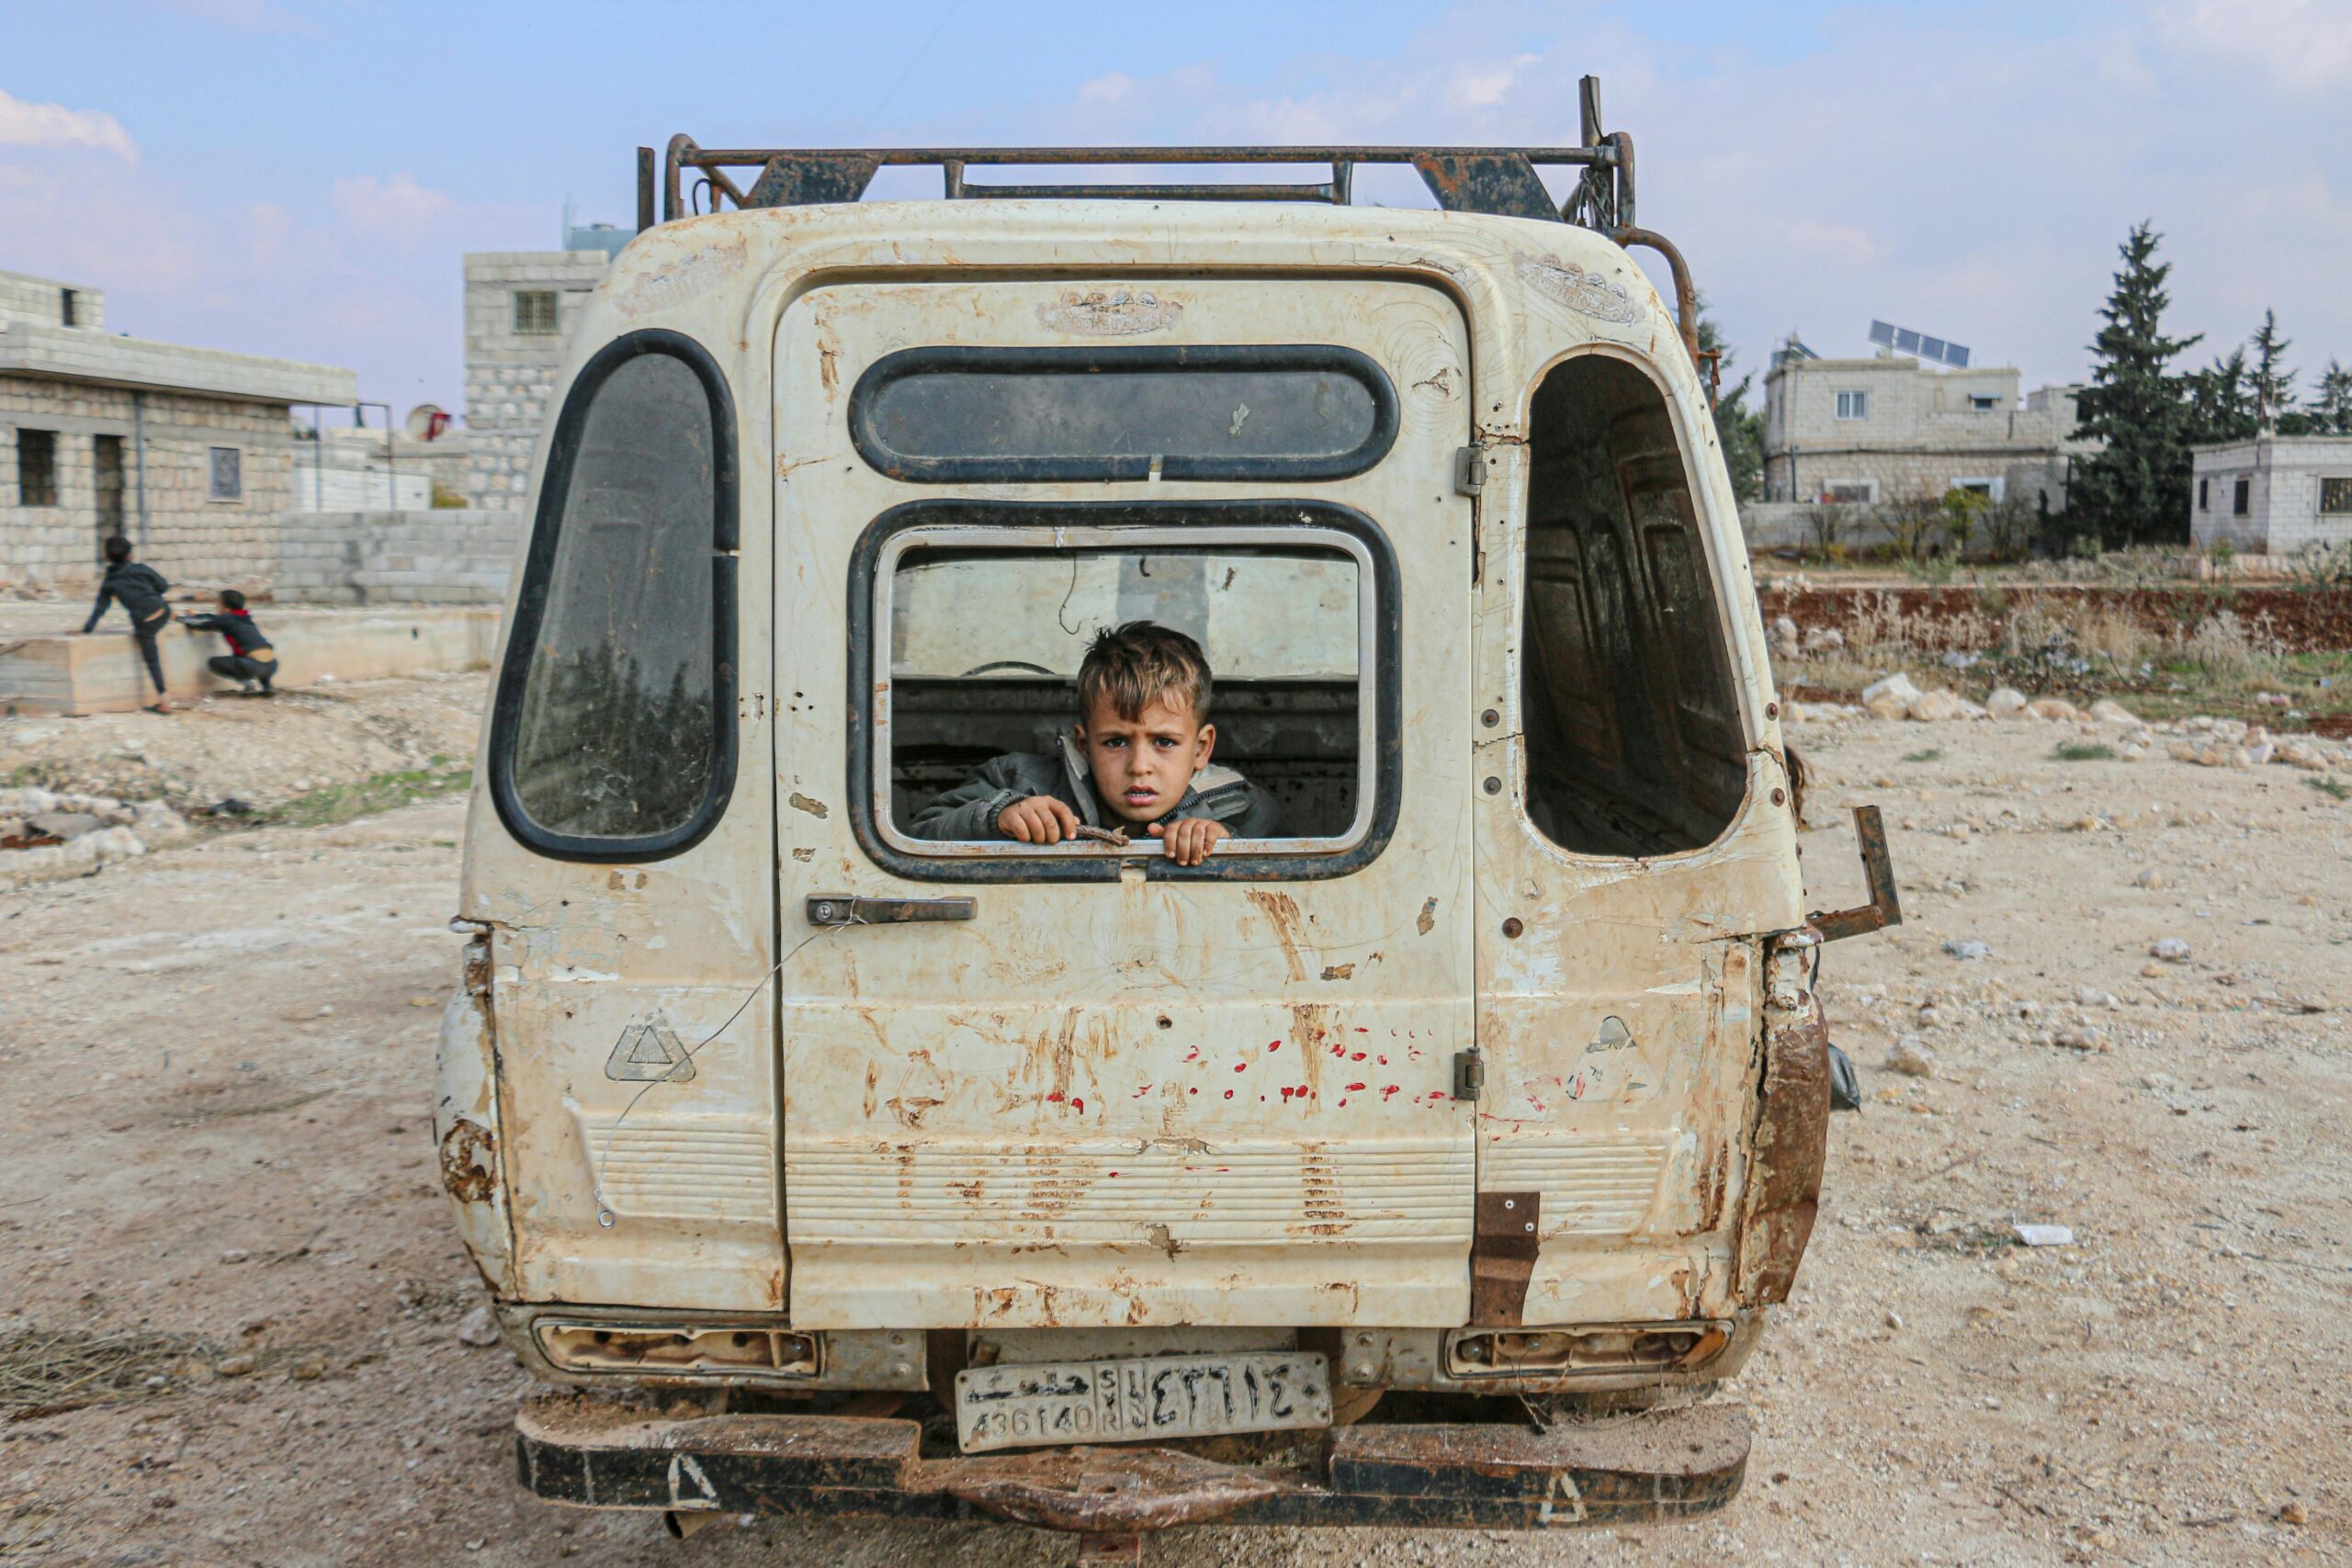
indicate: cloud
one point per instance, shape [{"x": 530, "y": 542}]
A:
[
  {"x": 1107, "y": 89},
  {"x": 398, "y": 207},
  {"x": 54, "y": 125},
  {"x": 2302, "y": 45}
]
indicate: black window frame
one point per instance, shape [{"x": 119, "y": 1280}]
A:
[
  {"x": 1116, "y": 465},
  {"x": 1388, "y": 696},
  {"x": 528, "y": 305},
  {"x": 48, "y": 489},
  {"x": 530, "y": 609}
]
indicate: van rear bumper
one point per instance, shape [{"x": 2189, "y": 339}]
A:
[{"x": 1629, "y": 1470}]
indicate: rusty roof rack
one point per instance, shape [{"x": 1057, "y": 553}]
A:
[{"x": 1498, "y": 180}]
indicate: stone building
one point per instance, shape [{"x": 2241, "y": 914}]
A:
[
  {"x": 2273, "y": 494},
  {"x": 520, "y": 307},
  {"x": 1874, "y": 431},
  {"x": 187, "y": 451}
]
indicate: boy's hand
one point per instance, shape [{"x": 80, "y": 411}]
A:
[
  {"x": 1040, "y": 820},
  {"x": 1190, "y": 840}
]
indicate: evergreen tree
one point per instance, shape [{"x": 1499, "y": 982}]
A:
[
  {"x": 2135, "y": 488},
  {"x": 2332, "y": 411},
  {"x": 1739, "y": 427},
  {"x": 2223, "y": 400},
  {"x": 2273, "y": 384}
]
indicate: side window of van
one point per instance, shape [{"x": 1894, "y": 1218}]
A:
[
  {"x": 1633, "y": 736},
  {"x": 610, "y": 740}
]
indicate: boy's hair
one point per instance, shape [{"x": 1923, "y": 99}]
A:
[
  {"x": 118, "y": 549},
  {"x": 1135, "y": 665},
  {"x": 231, "y": 599}
]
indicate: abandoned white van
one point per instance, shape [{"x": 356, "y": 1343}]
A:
[{"x": 1343, "y": 1178}]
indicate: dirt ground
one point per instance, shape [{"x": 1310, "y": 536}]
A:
[{"x": 217, "y": 1140}]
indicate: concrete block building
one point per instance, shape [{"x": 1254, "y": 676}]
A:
[
  {"x": 520, "y": 308},
  {"x": 1873, "y": 432},
  {"x": 2272, "y": 495},
  {"x": 186, "y": 451}
]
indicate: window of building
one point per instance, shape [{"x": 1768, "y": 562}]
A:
[
  {"x": 226, "y": 477},
  {"x": 1984, "y": 402},
  {"x": 973, "y": 618},
  {"x": 36, "y": 468},
  {"x": 67, "y": 310},
  {"x": 1220, "y": 412},
  {"x": 1632, "y": 728},
  {"x": 535, "y": 312},
  {"x": 1991, "y": 488},
  {"x": 2203, "y": 498},
  {"x": 1852, "y": 492},
  {"x": 607, "y": 740},
  {"x": 2241, "y": 499},
  {"x": 1853, "y": 405},
  {"x": 2335, "y": 495}
]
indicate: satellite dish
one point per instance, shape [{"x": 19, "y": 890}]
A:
[
  {"x": 426, "y": 422},
  {"x": 1903, "y": 340}
]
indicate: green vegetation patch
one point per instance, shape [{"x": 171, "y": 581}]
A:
[
  {"x": 2334, "y": 789},
  {"x": 2082, "y": 751},
  {"x": 1932, "y": 754},
  {"x": 382, "y": 792}
]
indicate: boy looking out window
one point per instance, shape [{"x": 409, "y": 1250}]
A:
[{"x": 1136, "y": 761}]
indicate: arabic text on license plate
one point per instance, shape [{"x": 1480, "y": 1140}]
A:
[{"x": 1157, "y": 1396}]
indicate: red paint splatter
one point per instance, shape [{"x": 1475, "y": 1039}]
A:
[
  {"x": 1240, "y": 1066},
  {"x": 1338, "y": 1050},
  {"x": 1192, "y": 1091},
  {"x": 1354, "y": 1087},
  {"x": 1262, "y": 1100},
  {"x": 1141, "y": 1092},
  {"x": 1389, "y": 1090},
  {"x": 1228, "y": 1094},
  {"x": 1286, "y": 1093},
  {"x": 1273, "y": 1044},
  {"x": 1361, "y": 1030},
  {"x": 1358, "y": 1056},
  {"x": 1343, "y": 1102},
  {"x": 1384, "y": 1061},
  {"x": 1114, "y": 1173},
  {"x": 1193, "y": 1055},
  {"x": 1438, "y": 1094},
  {"x": 1078, "y": 1106},
  {"x": 1054, "y": 1098}
]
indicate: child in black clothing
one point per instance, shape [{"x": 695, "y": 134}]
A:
[
  {"x": 250, "y": 658},
  {"x": 140, "y": 588}
]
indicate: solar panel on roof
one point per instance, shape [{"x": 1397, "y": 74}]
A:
[{"x": 1883, "y": 334}]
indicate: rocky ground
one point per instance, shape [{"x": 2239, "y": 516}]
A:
[{"x": 216, "y": 1173}]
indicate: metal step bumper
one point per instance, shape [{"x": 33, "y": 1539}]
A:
[{"x": 1626, "y": 1470}]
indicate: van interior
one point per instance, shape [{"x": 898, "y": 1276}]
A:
[{"x": 1633, "y": 731}]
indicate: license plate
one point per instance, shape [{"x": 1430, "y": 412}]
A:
[{"x": 1131, "y": 1401}]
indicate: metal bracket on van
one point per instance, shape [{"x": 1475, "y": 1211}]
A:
[
  {"x": 1469, "y": 1074},
  {"x": 1469, "y": 470},
  {"x": 840, "y": 909},
  {"x": 1883, "y": 910}
]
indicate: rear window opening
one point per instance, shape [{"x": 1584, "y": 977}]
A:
[
  {"x": 1633, "y": 734},
  {"x": 1210, "y": 411},
  {"x": 979, "y": 632}
]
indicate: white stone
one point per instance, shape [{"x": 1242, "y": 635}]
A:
[
  {"x": 2004, "y": 702},
  {"x": 2171, "y": 949},
  {"x": 2045, "y": 1236}
]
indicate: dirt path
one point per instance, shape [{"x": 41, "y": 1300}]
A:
[{"x": 196, "y": 1148}]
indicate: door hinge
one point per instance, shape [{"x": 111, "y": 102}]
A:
[
  {"x": 1469, "y": 1074},
  {"x": 1469, "y": 470}
]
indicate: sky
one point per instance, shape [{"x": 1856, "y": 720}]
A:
[{"x": 301, "y": 177}]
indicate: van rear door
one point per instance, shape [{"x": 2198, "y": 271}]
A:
[{"x": 1083, "y": 1086}]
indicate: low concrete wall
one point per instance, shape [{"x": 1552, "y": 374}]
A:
[
  {"x": 56, "y": 674},
  {"x": 457, "y": 555}
]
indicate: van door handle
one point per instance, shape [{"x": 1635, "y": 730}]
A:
[{"x": 840, "y": 909}]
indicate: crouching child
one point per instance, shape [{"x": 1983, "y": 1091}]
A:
[
  {"x": 1135, "y": 762},
  {"x": 251, "y": 661}
]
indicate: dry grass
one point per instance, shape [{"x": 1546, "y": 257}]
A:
[{"x": 44, "y": 1371}]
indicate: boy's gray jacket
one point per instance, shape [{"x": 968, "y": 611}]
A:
[{"x": 969, "y": 810}]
